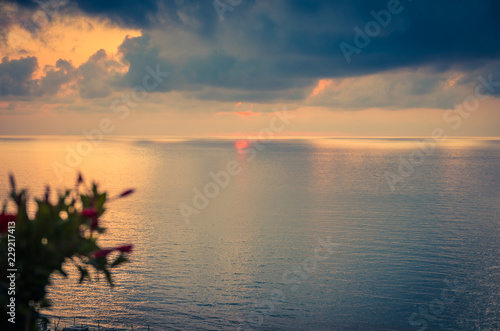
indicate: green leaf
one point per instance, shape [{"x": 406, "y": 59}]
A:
[
  {"x": 83, "y": 274},
  {"x": 119, "y": 260},
  {"x": 108, "y": 277},
  {"x": 45, "y": 243},
  {"x": 45, "y": 303}
]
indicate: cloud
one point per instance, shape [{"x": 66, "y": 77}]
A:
[
  {"x": 441, "y": 34},
  {"x": 394, "y": 90},
  {"x": 129, "y": 13},
  {"x": 279, "y": 50},
  {"x": 16, "y": 76},
  {"x": 55, "y": 76},
  {"x": 97, "y": 75},
  {"x": 308, "y": 34},
  {"x": 140, "y": 55},
  {"x": 231, "y": 95},
  {"x": 143, "y": 14},
  {"x": 6, "y": 19},
  {"x": 489, "y": 73},
  {"x": 264, "y": 50},
  {"x": 96, "y": 78}
]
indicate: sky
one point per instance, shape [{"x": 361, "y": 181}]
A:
[{"x": 223, "y": 68}]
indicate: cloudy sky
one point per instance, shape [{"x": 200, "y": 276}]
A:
[{"x": 220, "y": 68}]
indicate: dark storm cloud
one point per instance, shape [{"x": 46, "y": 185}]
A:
[
  {"x": 308, "y": 36},
  {"x": 125, "y": 12},
  {"x": 442, "y": 34},
  {"x": 216, "y": 70},
  {"x": 141, "y": 57},
  {"x": 142, "y": 14},
  {"x": 274, "y": 46},
  {"x": 224, "y": 70},
  {"x": 265, "y": 46}
]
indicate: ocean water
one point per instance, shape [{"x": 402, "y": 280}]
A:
[{"x": 296, "y": 235}]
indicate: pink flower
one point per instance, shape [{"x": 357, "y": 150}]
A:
[
  {"x": 93, "y": 214},
  {"x": 125, "y": 248},
  {"x": 5, "y": 219},
  {"x": 102, "y": 253},
  {"x": 90, "y": 212}
]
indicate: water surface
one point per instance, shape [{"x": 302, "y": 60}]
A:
[{"x": 425, "y": 254}]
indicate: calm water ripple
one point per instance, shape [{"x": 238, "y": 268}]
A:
[{"x": 426, "y": 254}]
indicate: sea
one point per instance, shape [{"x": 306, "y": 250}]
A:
[{"x": 283, "y": 234}]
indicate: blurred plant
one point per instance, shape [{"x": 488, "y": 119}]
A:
[{"x": 66, "y": 231}]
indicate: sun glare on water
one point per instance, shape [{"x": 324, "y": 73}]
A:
[{"x": 241, "y": 144}]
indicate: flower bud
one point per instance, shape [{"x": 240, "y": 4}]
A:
[
  {"x": 125, "y": 248},
  {"x": 127, "y": 192},
  {"x": 12, "y": 182},
  {"x": 90, "y": 212},
  {"x": 80, "y": 179},
  {"x": 102, "y": 253}
]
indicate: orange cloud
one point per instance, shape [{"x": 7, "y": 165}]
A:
[
  {"x": 240, "y": 113},
  {"x": 70, "y": 38},
  {"x": 451, "y": 81},
  {"x": 246, "y": 113},
  {"x": 322, "y": 84}
]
